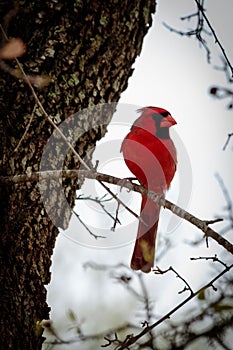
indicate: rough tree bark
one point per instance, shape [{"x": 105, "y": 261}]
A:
[{"x": 87, "y": 48}]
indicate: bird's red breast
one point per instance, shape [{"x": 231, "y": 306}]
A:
[{"x": 150, "y": 155}]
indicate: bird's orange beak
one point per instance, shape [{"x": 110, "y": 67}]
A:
[{"x": 167, "y": 122}]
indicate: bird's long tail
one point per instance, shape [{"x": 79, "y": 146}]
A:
[{"x": 144, "y": 249}]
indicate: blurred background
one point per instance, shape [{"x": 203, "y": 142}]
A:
[{"x": 172, "y": 72}]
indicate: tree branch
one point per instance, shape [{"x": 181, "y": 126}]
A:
[
  {"x": 227, "y": 141},
  {"x": 201, "y": 9},
  {"x": 128, "y": 342},
  {"x": 200, "y": 29},
  {"x": 203, "y": 225}
]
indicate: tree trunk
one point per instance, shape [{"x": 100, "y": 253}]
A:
[{"x": 87, "y": 49}]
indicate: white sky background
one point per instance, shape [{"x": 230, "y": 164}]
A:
[{"x": 171, "y": 72}]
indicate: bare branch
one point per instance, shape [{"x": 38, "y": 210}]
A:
[
  {"x": 146, "y": 330},
  {"x": 100, "y": 202},
  {"x": 103, "y": 178},
  {"x": 187, "y": 336},
  {"x": 125, "y": 279},
  {"x": 213, "y": 258},
  {"x": 214, "y": 221},
  {"x": 197, "y": 31},
  {"x": 201, "y": 224},
  {"x": 229, "y": 204},
  {"x": 224, "y": 67},
  {"x": 202, "y": 18},
  {"x": 88, "y": 337},
  {"x": 217, "y": 41},
  {"x": 187, "y": 287},
  {"x": 146, "y": 298},
  {"x": 26, "y": 130},
  {"x": 178, "y": 335},
  {"x": 220, "y": 93},
  {"x": 228, "y": 139},
  {"x": 116, "y": 217},
  {"x": 86, "y": 227}
]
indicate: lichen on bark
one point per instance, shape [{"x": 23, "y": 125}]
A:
[{"x": 87, "y": 49}]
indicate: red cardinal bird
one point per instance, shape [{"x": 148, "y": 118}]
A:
[{"x": 150, "y": 155}]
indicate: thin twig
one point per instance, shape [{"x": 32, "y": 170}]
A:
[
  {"x": 187, "y": 287},
  {"x": 120, "y": 202},
  {"x": 214, "y": 221},
  {"x": 213, "y": 258},
  {"x": 125, "y": 279},
  {"x": 100, "y": 201},
  {"x": 229, "y": 204},
  {"x": 86, "y": 227},
  {"x": 116, "y": 219},
  {"x": 200, "y": 7},
  {"x": 197, "y": 32},
  {"x": 225, "y": 192},
  {"x": 24, "y": 75},
  {"x": 132, "y": 340},
  {"x": 227, "y": 141},
  {"x": 26, "y": 130},
  {"x": 88, "y": 337},
  {"x": 149, "y": 311}
]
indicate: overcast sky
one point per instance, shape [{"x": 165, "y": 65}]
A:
[{"x": 171, "y": 72}]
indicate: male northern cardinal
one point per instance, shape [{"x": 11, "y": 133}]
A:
[{"x": 150, "y": 155}]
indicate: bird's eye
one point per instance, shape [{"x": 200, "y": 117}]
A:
[
  {"x": 165, "y": 114},
  {"x": 160, "y": 116}
]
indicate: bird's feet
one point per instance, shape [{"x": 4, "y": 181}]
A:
[{"x": 126, "y": 180}]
